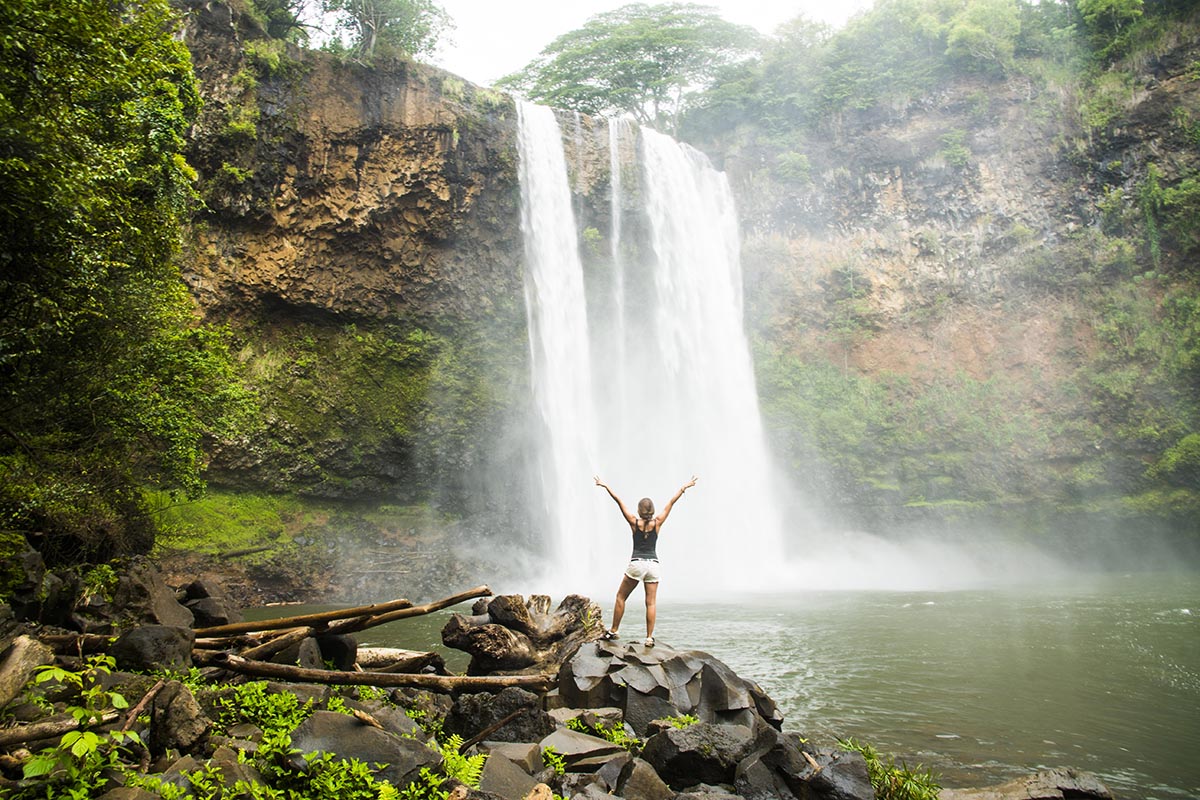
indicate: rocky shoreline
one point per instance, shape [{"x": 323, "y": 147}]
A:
[{"x": 102, "y": 692}]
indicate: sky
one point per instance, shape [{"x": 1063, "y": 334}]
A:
[{"x": 492, "y": 38}]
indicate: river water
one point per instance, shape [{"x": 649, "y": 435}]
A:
[{"x": 1099, "y": 673}]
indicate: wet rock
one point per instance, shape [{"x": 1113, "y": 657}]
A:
[
  {"x": 150, "y": 647},
  {"x": 305, "y": 653},
  {"x": 473, "y": 713},
  {"x": 1054, "y": 784},
  {"x": 345, "y": 737}
]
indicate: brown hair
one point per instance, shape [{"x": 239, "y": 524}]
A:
[{"x": 645, "y": 508}]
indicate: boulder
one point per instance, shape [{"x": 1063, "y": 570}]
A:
[
  {"x": 23, "y": 656},
  {"x": 843, "y": 776},
  {"x": 701, "y": 753},
  {"x": 150, "y": 647},
  {"x": 209, "y": 603},
  {"x": 1053, "y": 784},
  {"x": 652, "y": 683},
  {"x": 346, "y": 737},
  {"x": 305, "y": 653},
  {"x": 394, "y": 720},
  {"x": 339, "y": 651},
  {"x": 526, "y": 755},
  {"x": 511, "y": 635},
  {"x": 504, "y": 778},
  {"x": 176, "y": 720},
  {"x": 639, "y": 781},
  {"x": 473, "y": 713},
  {"x": 143, "y": 595},
  {"x": 581, "y": 752}
]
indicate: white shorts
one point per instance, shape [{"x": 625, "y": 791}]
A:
[{"x": 641, "y": 570}]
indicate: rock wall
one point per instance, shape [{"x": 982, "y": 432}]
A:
[{"x": 330, "y": 187}]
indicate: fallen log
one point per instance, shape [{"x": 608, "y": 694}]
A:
[
  {"x": 362, "y": 623},
  {"x": 77, "y": 643},
  {"x": 276, "y": 645},
  {"x": 436, "y": 683},
  {"x": 37, "y": 731}
]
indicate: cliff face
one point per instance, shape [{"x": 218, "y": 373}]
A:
[
  {"x": 359, "y": 233},
  {"x": 374, "y": 192}
]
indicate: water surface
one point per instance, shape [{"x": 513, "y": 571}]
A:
[{"x": 1102, "y": 674}]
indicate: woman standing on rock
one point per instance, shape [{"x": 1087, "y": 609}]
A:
[{"x": 643, "y": 564}]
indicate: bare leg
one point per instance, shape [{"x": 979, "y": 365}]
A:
[
  {"x": 627, "y": 586},
  {"x": 651, "y": 606}
]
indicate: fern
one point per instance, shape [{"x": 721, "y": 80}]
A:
[{"x": 464, "y": 769}]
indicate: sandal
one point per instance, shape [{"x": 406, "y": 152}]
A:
[
  {"x": 648, "y": 642},
  {"x": 608, "y": 636}
]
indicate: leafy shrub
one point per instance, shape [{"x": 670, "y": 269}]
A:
[{"x": 893, "y": 782}]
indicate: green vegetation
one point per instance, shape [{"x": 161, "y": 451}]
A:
[
  {"x": 408, "y": 27},
  {"x": 639, "y": 59},
  {"x": 893, "y": 782},
  {"x": 106, "y": 384},
  {"x": 615, "y": 733},
  {"x": 682, "y": 721}
]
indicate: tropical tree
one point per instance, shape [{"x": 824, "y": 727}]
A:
[
  {"x": 413, "y": 27},
  {"x": 639, "y": 59},
  {"x": 106, "y": 385},
  {"x": 984, "y": 32}
]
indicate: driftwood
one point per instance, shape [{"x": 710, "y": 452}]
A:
[
  {"x": 276, "y": 645},
  {"x": 490, "y": 729},
  {"x": 513, "y": 635},
  {"x": 132, "y": 716},
  {"x": 436, "y": 683}
]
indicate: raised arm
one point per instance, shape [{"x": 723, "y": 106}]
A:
[
  {"x": 662, "y": 517},
  {"x": 630, "y": 518}
]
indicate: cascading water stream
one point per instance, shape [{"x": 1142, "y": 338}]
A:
[
  {"x": 673, "y": 393},
  {"x": 558, "y": 334}
]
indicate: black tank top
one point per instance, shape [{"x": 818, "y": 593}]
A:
[{"x": 644, "y": 544}]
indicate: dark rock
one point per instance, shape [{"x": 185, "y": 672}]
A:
[
  {"x": 150, "y": 647},
  {"x": 652, "y": 683},
  {"x": 575, "y": 784},
  {"x": 706, "y": 792},
  {"x": 639, "y": 781},
  {"x": 209, "y": 611},
  {"x": 580, "y": 751},
  {"x": 526, "y": 755},
  {"x": 843, "y": 776},
  {"x": 1053, "y": 784},
  {"x": 339, "y": 651},
  {"x": 610, "y": 773},
  {"x": 504, "y": 778},
  {"x": 304, "y": 653},
  {"x": 345, "y": 737},
  {"x": 473, "y": 713},
  {"x": 144, "y": 596},
  {"x": 176, "y": 720},
  {"x": 700, "y": 753},
  {"x": 393, "y": 720}
]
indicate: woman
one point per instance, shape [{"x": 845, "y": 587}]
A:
[{"x": 643, "y": 564}]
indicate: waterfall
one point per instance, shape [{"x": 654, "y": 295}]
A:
[
  {"x": 671, "y": 391},
  {"x": 558, "y": 335}
]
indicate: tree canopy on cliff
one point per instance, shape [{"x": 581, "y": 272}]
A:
[
  {"x": 106, "y": 386},
  {"x": 639, "y": 59},
  {"x": 413, "y": 27}
]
